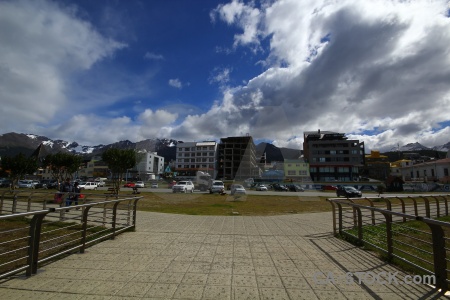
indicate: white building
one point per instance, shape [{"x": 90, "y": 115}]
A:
[
  {"x": 196, "y": 156},
  {"x": 434, "y": 170},
  {"x": 150, "y": 166}
]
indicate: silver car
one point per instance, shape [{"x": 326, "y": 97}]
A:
[
  {"x": 217, "y": 187},
  {"x": 183, "y": 187},
  {"x": 237, "y": 189}
]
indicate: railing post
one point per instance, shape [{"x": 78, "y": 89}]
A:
[
  {"x": 114, "y": 219},
  {"x": 372, "y": 213},
  {"x": 427, "y": 206},
  {"x": 135, "y": 211},
  {"x": 439, "y": 256},
  {"x": 14, "y": 204},
  {"x": 29, "y": 202},
  {"x": 390, "y": 247},
  {"x": 416, "y": 213},
  {"x": 104, "y": 214},
  {"x": 403, "y": 208},
  {"x": 340, "y": 217},
  {"x": 129, "y": 213},
  {"x": 333, "y": 211},
  {"x": 388, "y": 203},
  {"x": 84, "y": 228},
  {"x": 438, "y": 209},
  {"x": 33, "y": 243},
  {"x": 360, "y": 230}
]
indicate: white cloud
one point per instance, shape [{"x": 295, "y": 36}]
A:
[
  {"x": 176, "y": 83},
  {"x": 42, "y": 45},
  {"x": 153, "y": 56},
  {"x": 348, "y": 66},
  {"x": 246, "y": 17},
  {"x": 220, "y": 75}
]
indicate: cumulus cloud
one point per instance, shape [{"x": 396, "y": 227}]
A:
[
  {"x": 41, "y": 45},
  {"x": 245, "y": 16},
  {"x": 176, "y": 83},
  {"x": 87, "y": 128},
  {"x": 220, "y": 76},
  {"x": 347, "y": 66}
]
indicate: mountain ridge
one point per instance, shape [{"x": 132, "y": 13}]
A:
[{"x": 12, "y": 143}]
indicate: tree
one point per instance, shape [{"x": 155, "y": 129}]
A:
[
  {"x": 119, "y": 161},
  {"x": 62, "y": 165},
  {"x": 18, "y": 166}
]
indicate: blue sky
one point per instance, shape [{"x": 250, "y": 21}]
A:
[{"x": 97, "y": 72}]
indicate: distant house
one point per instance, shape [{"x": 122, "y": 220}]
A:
[
  {"x": 296, "y": 170},
  {"x": 430, "y": 171}
]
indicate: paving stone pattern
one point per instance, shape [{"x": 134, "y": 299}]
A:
[{"x": 215, "y": 257}]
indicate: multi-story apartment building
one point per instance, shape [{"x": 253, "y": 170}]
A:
[
  {"x": 196, "y": 156},
  {"x": 331, "y": 156},
  {"x": 149, "y": 166},
  {"x": 237, "y": 158}
]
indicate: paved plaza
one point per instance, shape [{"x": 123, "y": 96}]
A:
[{"x": 218, "y": 257}]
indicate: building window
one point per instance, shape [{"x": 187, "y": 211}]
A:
[
  {"x": 292, "y": 172},
  {"x": 445, "y": 172}
]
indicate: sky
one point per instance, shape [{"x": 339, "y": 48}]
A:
[{"x": 99, "y": 72}]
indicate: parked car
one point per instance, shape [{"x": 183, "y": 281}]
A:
[
  {"x": 348, "y": 191},
  {"x": 183, "y": 187},
  {"x": 129, "y": 184},
  {"x": 5, "y": 183},
  {"x": 38, "y": 184},
  {"x": 217, "y": 186},
  {"x": 25, "y": 184},
  {"x": 295, "y": 188},
  {"x": 329, "y": 188},
  {"x": 139, "y": 184},
  {"x": 237, "y": 189},
  {"x": 154, "y": 185},
  {"x": 49, "y": 183},
  {"x": 100, "y": 183},
  {"x": 90, "y": 185},
  {"x": 261, "y": 187},
  {"x": 280, "y": 187}
]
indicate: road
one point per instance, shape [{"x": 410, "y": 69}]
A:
[{"x": 307, "y": 193}]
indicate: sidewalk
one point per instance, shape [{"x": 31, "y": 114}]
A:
[{"x": 212, "y": 257}]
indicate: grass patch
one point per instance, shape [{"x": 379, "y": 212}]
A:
[{"x": 223, "y": 205}]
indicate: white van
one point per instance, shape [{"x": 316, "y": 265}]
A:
[{"x": 90, "y": 185}]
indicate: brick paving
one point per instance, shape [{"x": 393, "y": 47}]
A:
[{"x": 216, "y": 257}]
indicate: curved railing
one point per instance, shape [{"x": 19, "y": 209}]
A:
[
  {"x": 29, "y": 239},
  {"x": 411, "y": 231}
]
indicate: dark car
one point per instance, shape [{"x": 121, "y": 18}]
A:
[
  {"x": 348, "y": 191},
  {"x": 5, "y": 183},
  {"x": 280, "y": 187},
  {"x": 295, "y": 188},
  {"x": 49, "y": 183}
]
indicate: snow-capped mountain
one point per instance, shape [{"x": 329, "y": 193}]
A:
[
  {"x": 414, "y": 147},
  {"x": 13, "y": 143},
  {"x": 445, "y": 147}
]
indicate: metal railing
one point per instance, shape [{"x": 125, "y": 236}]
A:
[
  {"x": 401, "y": 228},
  {"x": 29, "y": 239},
  {"x": 18, "y": 201}
]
